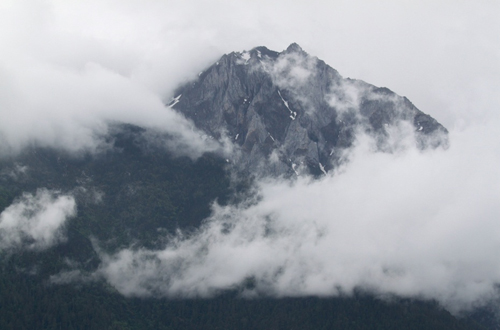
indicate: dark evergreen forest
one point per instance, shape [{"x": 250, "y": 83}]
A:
[{"x": 143, "y": 188}]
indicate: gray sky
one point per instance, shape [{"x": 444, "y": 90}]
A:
[
  {"x": 82, "y": 62},
  {"x": 417, "y": 224}
]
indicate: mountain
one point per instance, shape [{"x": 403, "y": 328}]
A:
[
  {"x": 64, "y": 215},
  {"x": 290, "y": 112}
]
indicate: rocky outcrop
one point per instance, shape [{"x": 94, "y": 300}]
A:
[{"x": 290, "y": 112}]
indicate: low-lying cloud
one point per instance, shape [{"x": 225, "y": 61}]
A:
[
  {"x": 293, "y": 70},
  {"x": 63, "y": 87},
  {"x": 50, "y": 105},
  {"x": 36, "y": 222},
  {"x": 409, "y": 223}
]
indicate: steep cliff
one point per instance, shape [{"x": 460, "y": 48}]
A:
[{"x": 290, "y": 112}]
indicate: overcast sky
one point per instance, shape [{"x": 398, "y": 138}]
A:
[
  {"x": 67, "y": 68},
  {"x": 80, "y": 62}
]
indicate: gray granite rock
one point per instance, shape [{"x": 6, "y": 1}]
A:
[{"x": 290, "y": 113}]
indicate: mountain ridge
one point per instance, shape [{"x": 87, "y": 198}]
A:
[{"x": 290, "y": 112}]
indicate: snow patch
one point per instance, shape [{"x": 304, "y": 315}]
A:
[
  {"x": 322, "y": 168},
  {"x": 293, "y": 114},
  {"x": 175, "y": 101}
]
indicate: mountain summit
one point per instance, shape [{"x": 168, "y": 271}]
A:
[{"x": 290, "y": 112}]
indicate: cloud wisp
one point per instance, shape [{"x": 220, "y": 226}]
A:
[
  {"x": 36, "y": 222},
  {"x": 66, "y": 91},
  {"x": 409, "y": 223}
]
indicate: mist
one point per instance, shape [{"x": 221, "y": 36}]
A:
[
  {"x": 412, "y": 223},
  {"x": 36, "y": 222}
]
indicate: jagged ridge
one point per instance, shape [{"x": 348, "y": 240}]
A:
[{"x": 290, "y": 112}]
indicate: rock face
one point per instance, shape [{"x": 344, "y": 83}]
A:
[{"x": 290, "y": 112}]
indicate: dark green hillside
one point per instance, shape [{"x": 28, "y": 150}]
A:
[
  {"x": 127, "y": 193},
  {"x": 137, "y": 192},
  {"x": 27, "y": 303}
]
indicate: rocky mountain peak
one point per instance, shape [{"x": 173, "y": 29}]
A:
[
  {"x": 290, "y": 113},
  {"x": 294, "y": 48}
]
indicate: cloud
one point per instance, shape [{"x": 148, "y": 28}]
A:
[
  {"x": 36, "y": 222},
  {"x": 15, "y": 172},
  {"x": 292, "y": 70},
  {"x": 78, "y": 65},
  {"x": 346, "y": 95},
  {"x": 72, "y": 108},
  {"x": 62, "y": 87},
  {"x": 410, "y": 223}
]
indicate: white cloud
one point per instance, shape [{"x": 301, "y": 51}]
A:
[
  {"x": 441, "y": 55},
  {"x": 35, "y": 222},
  {"x": 61, "y": 85},
  {"x": 293, "y": 70},
  {"x": 346, "y": 95},
  {"x": 412, "y": 223}
]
